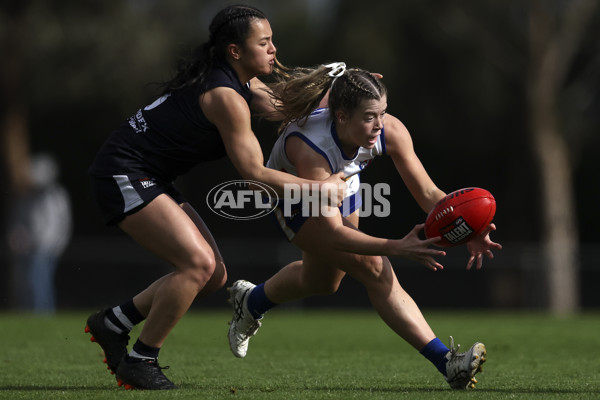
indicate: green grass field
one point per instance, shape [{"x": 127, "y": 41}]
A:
[{"x": 311, "y": 355}]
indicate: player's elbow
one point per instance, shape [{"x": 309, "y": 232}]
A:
[
  {"x": 251, "y": 170},
  {"x": 252, "y": 174}
]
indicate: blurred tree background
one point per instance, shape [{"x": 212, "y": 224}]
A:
[{"x": 500, "y": 94}]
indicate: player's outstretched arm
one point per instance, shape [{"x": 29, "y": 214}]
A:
[
  {"x": 339, "y": 234},
  {"x": 399, "y": 147}
]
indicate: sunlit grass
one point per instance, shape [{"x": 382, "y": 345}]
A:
[{"x": 310, "y": 355}]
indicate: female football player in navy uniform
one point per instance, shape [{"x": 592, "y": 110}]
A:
[
  {"x": 203, "y": 114},
  {"x": 345, "y": 137}
]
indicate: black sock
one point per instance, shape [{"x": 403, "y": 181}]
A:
[
  {"x": 142, "y": 350},
  {"x": 124, "y": 317},
  {"x": 131, "y": 312}
]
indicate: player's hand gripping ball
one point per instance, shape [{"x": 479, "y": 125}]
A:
[{"x": 460, "y": 216}]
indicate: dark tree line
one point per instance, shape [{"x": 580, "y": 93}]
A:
[{"x": 498, "y": 94}]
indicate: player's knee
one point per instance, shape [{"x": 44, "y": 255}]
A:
[
  {"x": 320, "y": 286},
  {"x": 217, "y": 280},
  {"x": 201, "y": 267},
  {"x": 326, "y": 287},
  {"x": 219, "y": 276},
  {"x": 373, "y": 267}
]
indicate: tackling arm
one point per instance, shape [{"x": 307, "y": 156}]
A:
[
  {"x": 262, "y": 102},
  {"x": 229, "y": 112}
]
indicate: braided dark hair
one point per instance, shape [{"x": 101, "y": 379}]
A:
[{"x": 230, "y": 25}]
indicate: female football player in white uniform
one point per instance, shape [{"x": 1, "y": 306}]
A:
[{"x": 345, "y": 137}]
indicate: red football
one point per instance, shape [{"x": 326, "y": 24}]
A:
[{"x": 460, "y": 216}]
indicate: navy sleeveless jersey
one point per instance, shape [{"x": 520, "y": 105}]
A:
[{"x": 170, "y": 136}]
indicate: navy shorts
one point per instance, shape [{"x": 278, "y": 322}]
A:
[
  {"x": 291, "y": 224},
  {"x": 122, "y": 195}
]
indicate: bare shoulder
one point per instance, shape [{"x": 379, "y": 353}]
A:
[
  {"x": 394, "y": 127},
  {"x": 397, "y": 137},
  {"x": 223, "y": 105}
]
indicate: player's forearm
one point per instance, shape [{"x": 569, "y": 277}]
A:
[
  {"x": 347, "y": 239},
  {"x": 277, "y": 179},
  {"x": 432, "y": 197},
  {"x": 263, "y": 103}
]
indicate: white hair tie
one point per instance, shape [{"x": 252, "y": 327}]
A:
[{"x": 337, "y": 70}]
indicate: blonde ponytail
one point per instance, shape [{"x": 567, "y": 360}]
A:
[{"x": 298, "y": 94}]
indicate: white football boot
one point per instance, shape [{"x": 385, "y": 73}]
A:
[
  {"x": 462, "y": 367},
  {"x": 243, "y": 325}
]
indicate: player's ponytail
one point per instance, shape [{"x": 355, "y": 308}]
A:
[{"x": 297, "y": 95}]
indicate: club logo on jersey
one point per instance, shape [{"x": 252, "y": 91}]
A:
[
  {"x": 241, "y": 199},
  {"x": 138, "y": 122},
  {"x": 364, "y": 164}
]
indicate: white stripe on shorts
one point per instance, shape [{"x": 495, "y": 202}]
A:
[
  {"x": 289, "y": 233},
  {"x": 130, "y": 196}
]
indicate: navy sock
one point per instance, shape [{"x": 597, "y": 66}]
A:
[
  {"x": 142, "y": 350},
  {"x": 132, "y": 312},
  {"x": 258, "y": 302},
  {"x": 436, "y": 351}
]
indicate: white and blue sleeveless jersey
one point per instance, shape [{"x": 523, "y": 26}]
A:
[{"x": 320, "y": 134}]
